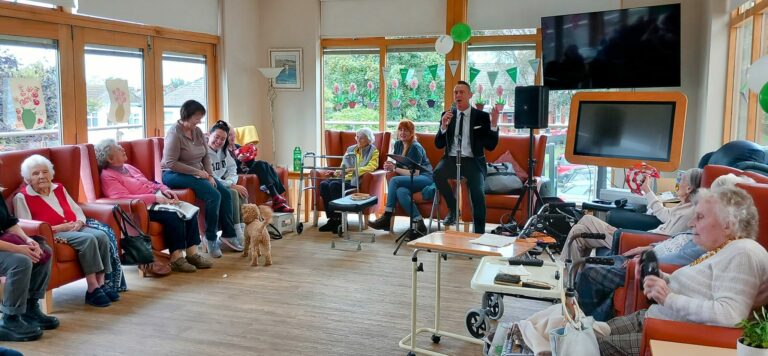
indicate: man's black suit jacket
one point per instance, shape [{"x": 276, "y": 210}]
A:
[{"x": 481, "y": 138}]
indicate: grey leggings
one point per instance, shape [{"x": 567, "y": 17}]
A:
[
  {"x": 23, "y": 280},
  {"x": 92, "y": 248}
]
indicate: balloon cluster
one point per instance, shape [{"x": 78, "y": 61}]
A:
[
  {"x": 637, "y": 175},
  {"x": 247, "y": 152},
  {"x": 460, "y": 32},
  {"x": 757, "y": 80}
]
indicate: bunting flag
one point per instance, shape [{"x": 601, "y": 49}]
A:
[
  {"x": 492, "y": 74},
  {"x": 404, "y": 74},
  {"x": 535, "y": 65},
  {"x": 473, "y": 72},
  {"x": 433, "y": 71},
  {"x": 513, "y": 74},
  {"x": 454, "y": 64}
]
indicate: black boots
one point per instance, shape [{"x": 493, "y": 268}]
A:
[
  {"x": 331, "y": 226},
  {"x": 35, "y": 316},
  {"x": 13, "y": 328},
  {"x": 383, "y": 222}
]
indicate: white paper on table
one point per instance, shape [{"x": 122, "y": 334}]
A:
[
  {"x": 518, "y": 270},
  {"x": 493, "y": 240}
]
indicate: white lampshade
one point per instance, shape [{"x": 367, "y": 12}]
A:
[{"x": 270, "y": 73}]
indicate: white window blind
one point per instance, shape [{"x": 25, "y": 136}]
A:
[
  {"x": 191, "y": 15},
  {"x": 515, "y": 14},
  {"x": 371, "y": 18}
]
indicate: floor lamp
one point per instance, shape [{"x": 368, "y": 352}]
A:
[{"x": 271, "y": 74}]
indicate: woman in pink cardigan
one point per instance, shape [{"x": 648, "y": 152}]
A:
[{"x": 120, "y": 180}]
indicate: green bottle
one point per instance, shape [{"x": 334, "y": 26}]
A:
[{"x": 297, "y": 159}]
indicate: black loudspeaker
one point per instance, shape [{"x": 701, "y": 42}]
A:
[{"x": 531, "y": 107}]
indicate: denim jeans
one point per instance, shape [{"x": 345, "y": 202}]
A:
[
  {"x": 399, "y": 191},
  {"x": 218, "y": 202}
]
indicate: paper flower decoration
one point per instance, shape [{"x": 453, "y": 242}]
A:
[{"x": 500, "y": 95}]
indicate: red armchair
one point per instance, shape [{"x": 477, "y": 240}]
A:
[
  {"x": 66, "y": 161},
  {"x": 496, "y": 204},
  {"x": 336, "y": 143}
]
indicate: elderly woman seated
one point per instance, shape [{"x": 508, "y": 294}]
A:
[
  {"x": 674, "y": 220},
  {"x": 595, "y": 284},
  {"x": 719, "y": 288},
  {"x": 367, "y": 160},
  {"x": 25, "y": 284},
  {"x": 120, "y": 180},
  {"x": 43, "y": 200}
]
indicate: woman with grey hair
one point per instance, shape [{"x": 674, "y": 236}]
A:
[
  {"x": 120, "y": 180},
  {"x": 719, "y": 288},
  {"x": 674, "y": 220},
  {"x": 367, "y": 157},
  {"x": 41, "y": 199}
]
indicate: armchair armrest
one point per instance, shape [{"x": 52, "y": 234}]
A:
[
  {"x": 103, "y": 213},
  {"x": 688, "y": 333},
  {"x": 624, "y": 219},
  {"x": 39, "y": 228},
  {"x": 135, "y": 207},
  {"x": 187, "y": 195},
  {"x": 632, "y": 239}
]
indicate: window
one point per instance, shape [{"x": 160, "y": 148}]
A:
[
  {"x": 351, "y": 87},
  {"x": 499, "y": 59},
  {"x": 35, "y": 3},
  {"x": 114, "y": 79},
  {"x": 30, "y": 114},
  {"x": 740, "y": 94},
  {"x": 184, "y": 78},
  {"x": 420, "y": 96}
]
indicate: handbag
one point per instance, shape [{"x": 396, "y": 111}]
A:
[
  {"x": 577, "y": 337},
  {"x": 18, "y": 240},
  {"x": 502, "y": 179},
  {"x": 137, "y": 247}
]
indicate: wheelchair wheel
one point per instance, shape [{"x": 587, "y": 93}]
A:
[
  {"x": 478, "y": 323},
  {"x": 493, "y": 303},
  {"x": 274, "y": 233}
]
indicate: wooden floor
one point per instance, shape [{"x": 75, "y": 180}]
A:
[{"x": 312, "y": 301}]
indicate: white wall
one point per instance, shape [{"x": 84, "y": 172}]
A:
[
  {"x": 190, "y": 15},
  {"x": 251, "y": 28}
]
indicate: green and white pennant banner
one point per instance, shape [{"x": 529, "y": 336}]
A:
[{"x": 492, "y": 74}]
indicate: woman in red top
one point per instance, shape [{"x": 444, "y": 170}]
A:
[{"x": 43, "y": 200}]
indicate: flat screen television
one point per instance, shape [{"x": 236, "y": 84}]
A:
[
  {"x": 627, "y": 48},
  {"x": 621, "y": 129}
]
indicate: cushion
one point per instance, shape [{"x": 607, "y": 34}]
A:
[{"x": 519, "y": 170}]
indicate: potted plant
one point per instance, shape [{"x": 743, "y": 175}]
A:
[
  {"x": 500, "y": 102},
  {"x": 480, "y": 102},
  {"x": 371, "y": 95},
  {"x": 431, "y": 101},
  {"x": 352, "y": 96},
  {"x": 754, "y": 341},
  {"x": 395, "y": 93},
  {"x": 414, "y": 99}
]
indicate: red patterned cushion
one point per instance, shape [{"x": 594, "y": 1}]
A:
[{"x": 519, "y": 170}]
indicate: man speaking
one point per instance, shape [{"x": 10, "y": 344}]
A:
[{"x": 473, "y": 131}]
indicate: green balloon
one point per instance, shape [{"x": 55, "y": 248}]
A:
[
  {"x": 763, "y": 97},
  {"x": 461, "y": 32}
]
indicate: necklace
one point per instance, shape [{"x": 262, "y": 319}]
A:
[{"x": 709, "y": 254}]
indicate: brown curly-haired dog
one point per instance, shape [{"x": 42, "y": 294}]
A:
[{"x": 256, "y": 219}]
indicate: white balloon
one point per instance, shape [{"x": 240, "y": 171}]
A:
[
  {"x": 757, "y": 74},
  {"x": 444, "y": 44}
]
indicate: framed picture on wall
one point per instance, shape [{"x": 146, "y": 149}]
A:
[{"x": 290, "y": 60}]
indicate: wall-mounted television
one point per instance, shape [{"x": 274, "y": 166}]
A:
[
  {"x": 626, "y": 48},
  {"x": 621, "y": 129}
]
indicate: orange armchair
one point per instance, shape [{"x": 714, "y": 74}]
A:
[
  {"x": 336, "y": 143},
  {"x": 496, "y": 204},
  {"x": 66, "y": 161}
]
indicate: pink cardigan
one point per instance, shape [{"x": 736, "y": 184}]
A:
[{"x": 134, "y": 185}]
